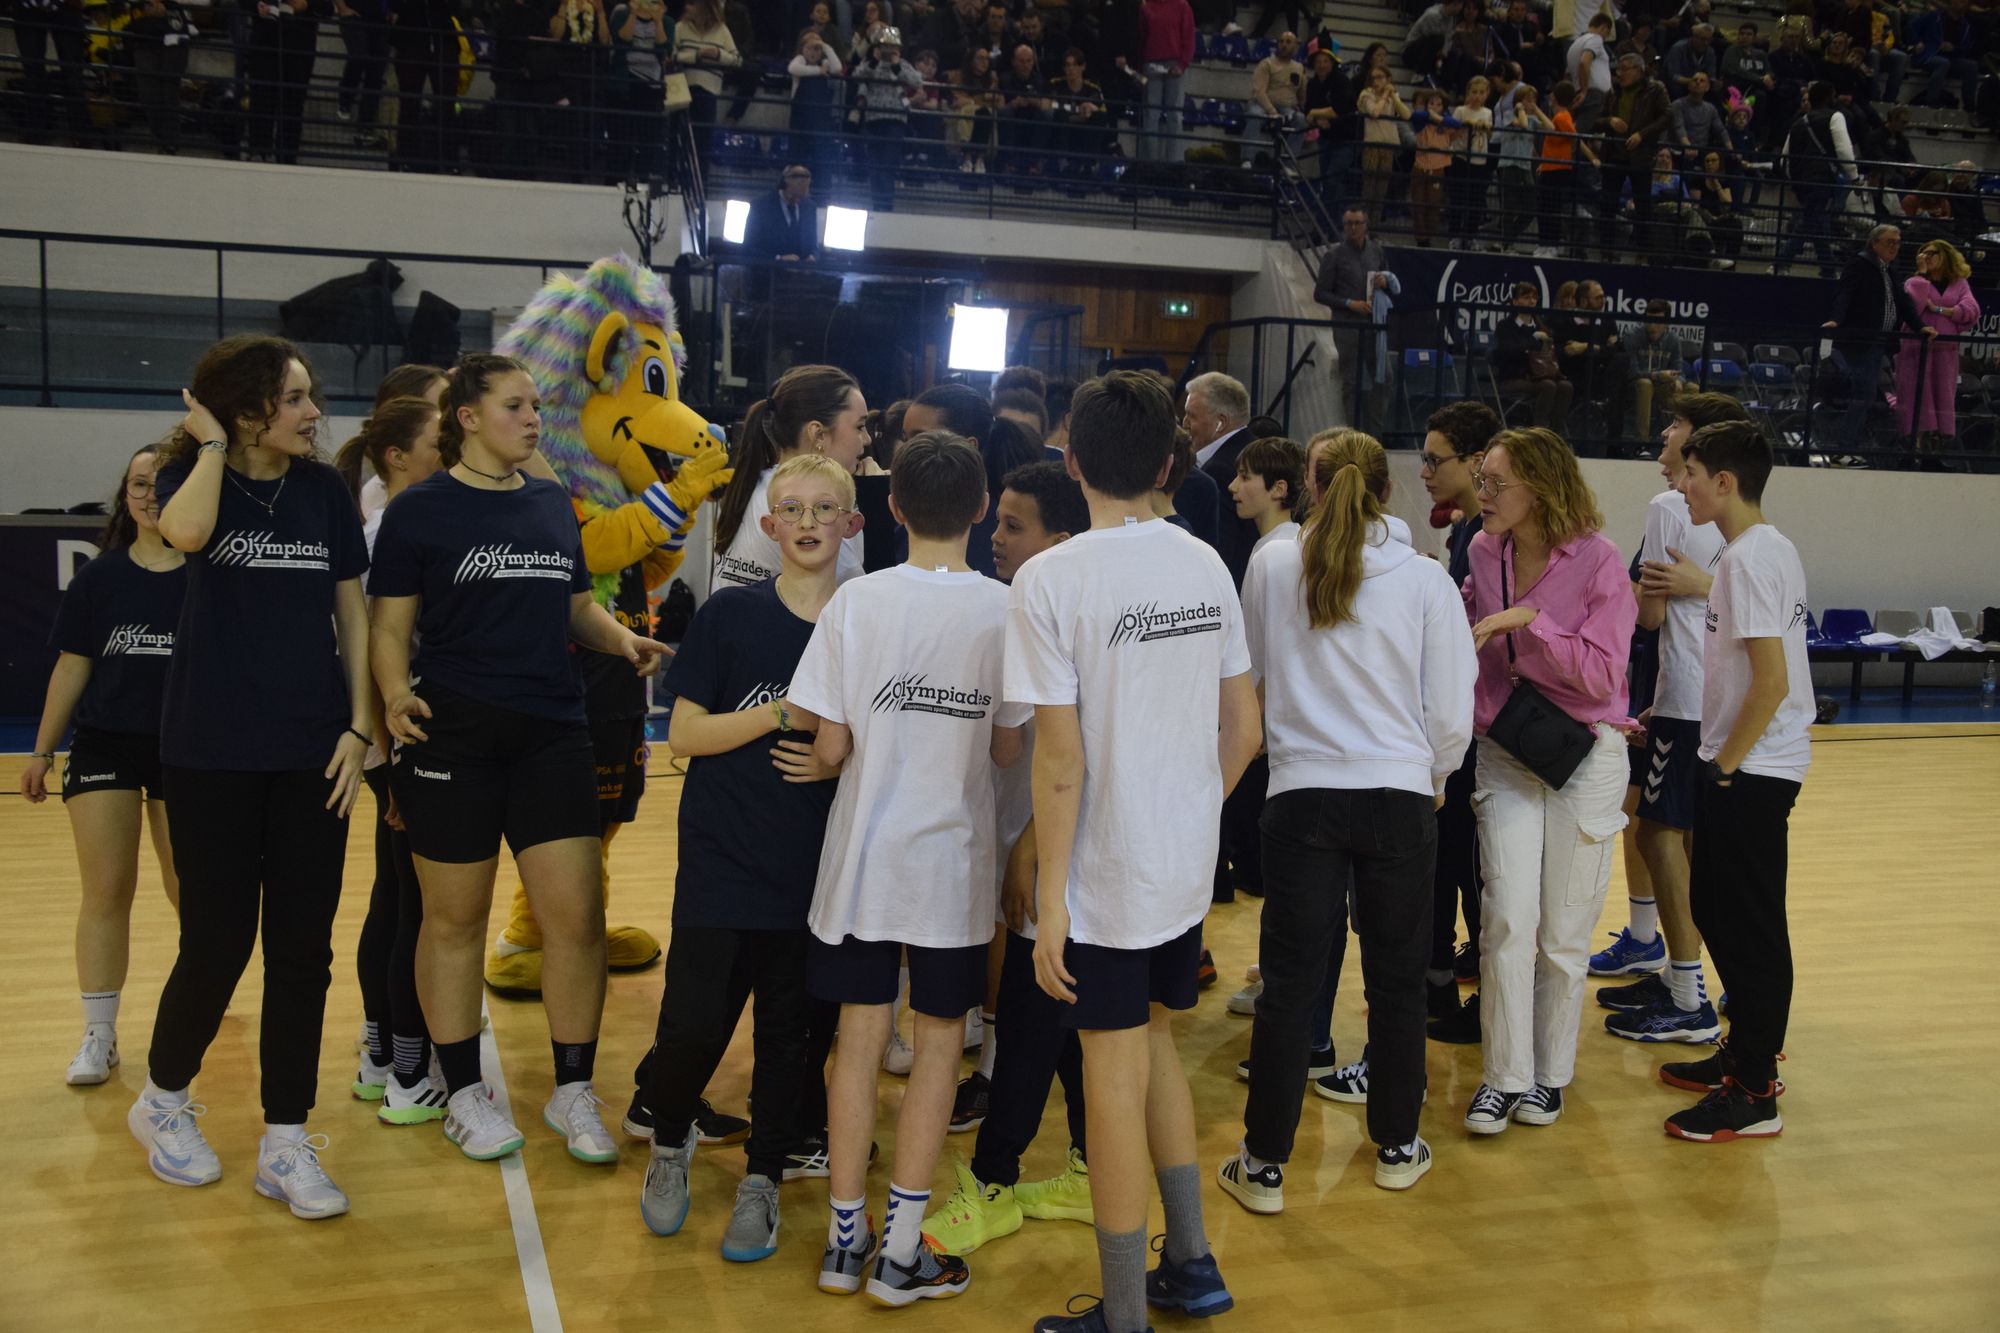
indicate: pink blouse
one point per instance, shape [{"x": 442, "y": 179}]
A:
[{"x": 1577, "y": 648}]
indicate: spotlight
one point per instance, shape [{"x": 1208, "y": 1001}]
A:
[
  {"x": 846, "y": 228},
  {"x": 735, "y": 218},
  {"x": 978, "y": 338}
]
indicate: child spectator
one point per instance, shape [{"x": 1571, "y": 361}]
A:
[
  {"x": 1558, "y": 170},
  {"x": 1471, "y": 174},
  {"x": 1436, "y": 134},
  {"x": 902, "y": 676},
  {"x": 1381, "y": 137}
]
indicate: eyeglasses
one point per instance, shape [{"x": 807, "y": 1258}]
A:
[
  {"x": 824, "y": 512},
  {"x": 139, "y": 488},
  {"x": 1428, "y": 464},
  {"x": 1486, "y": 485}
]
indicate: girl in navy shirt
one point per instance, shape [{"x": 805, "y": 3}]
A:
[
  {"x": 261, "y": 741},
  {"x": 114, "y": 634},
  {"x": 485, "y": 564}
]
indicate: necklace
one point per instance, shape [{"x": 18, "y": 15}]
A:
[
  {"x": 269, "y": 506},
  {"x": 170, "y": 559},
  {"x": 504, "y": 476}
]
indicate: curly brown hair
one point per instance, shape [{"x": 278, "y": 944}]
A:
[{"x": 1565, "y": 507}]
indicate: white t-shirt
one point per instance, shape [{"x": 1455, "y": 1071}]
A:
[
  {"x": 1287, "y": 531},
  {"x": 1136, "y": 627},
  {"x": 1759, "y": 593},
  {"x": 910, "y": 660},
  {"x": 374, "y": 499},
  {"x": 1678, "y": 694},
  {"x": 1600, "y": 63},
  {"x": 752, "y": 557}
]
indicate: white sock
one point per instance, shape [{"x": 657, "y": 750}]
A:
[
  {"x": 848, "y": 1229},
  {"x": 988, "y": 1043},
  {"x": 159, "y": 1096},
  {"x": 903, "y": 1224},
  {"x": 277, "y": 1134},
  {"x": 100, "y": 1008},
  {"x": 1645, "y": 920},
  {"x": 1685, "y": 983},
  {"x": 1252, "y": 1163}
]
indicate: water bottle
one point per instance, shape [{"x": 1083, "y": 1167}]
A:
[{"x": 1989, "y": 686}]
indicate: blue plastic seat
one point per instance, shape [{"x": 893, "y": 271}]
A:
[
  {"x": 1843, "y": 628},
  {"x": 1727, "y": 373}
]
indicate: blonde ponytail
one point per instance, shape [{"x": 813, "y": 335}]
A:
[{"x": 1352, "y": 473}]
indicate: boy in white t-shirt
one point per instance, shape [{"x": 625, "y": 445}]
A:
[
  {"x": 1128, "y": 640},
  {"x": 1269, "y": 488},
  {"x": 903, "y": 679},
  {"x": 1677, "y": 559},
  {"x": 1756, "y": 712}
]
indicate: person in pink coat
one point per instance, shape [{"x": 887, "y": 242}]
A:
[{"x": 1942, "y": 294}]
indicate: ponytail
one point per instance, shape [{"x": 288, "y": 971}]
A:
[
  {"x": 755, "y": 453},
  {"x": 772, "y": 429},
  {"x": 394, "y": 425},
  {"x": 1352, "y": 473}
]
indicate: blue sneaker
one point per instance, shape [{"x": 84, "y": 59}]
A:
[
  {"x": 1090, "y": 1319},
  {"x": 1648, "y": 992},
  {"x": 1666, "y": 1022},
  {"x": 1627, "y": 957},
  {"x": 1194, "y": 1287}
]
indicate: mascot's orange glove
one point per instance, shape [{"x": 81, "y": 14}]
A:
[{"x": 694, "y": 481}]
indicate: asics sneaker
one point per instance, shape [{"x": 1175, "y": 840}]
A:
[
  {"x": 370, "y": 1079},
  {"x": 1490, "y": 1109},
  {"x": 95, "y": 1059},
  {"x": 841, "y": 1271},
  {"x": 289, "y": 1171},
  {"x": 970, "y": 1104},
  {"x": 1539, "y": 1105},
  {"x": 1259, "y": 1191},
  {"x": 1732, "y": 1111},
  {"x": 809, "y": 1162},
  {"x": 573, "y": 1113},
  {"x": 411, "y": 1106},
  {"x": 1400, "y": 1168},
  {"x": 928, "y": 1276},
  {"x": 1628, "y": 958},
  {"x": 175, "y": 1149},
  {"x": 1648, "y": 992},
  {"x": 753, "y": 1222},
  {"x": 1666, "y": 1022},
  {"x": 973, "y": 1215},
  {"x": 475, "y": 1124},
  {"x": 1194, "y": 1287},
  {"x": 663, "y": 1198},
  {"x": 1062, "y": 1198}
]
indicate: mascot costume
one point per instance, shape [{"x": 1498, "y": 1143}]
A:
[{"x": 638, "y": 463}]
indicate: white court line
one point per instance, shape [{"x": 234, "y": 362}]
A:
[{"x": 543, "y": 1317}]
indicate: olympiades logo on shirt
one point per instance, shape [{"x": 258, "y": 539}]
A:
[
  {"x": 263, "y": 550},
  {"x": 912, "y": 693},
  {"x": 502, "y": 561},
  {"x": 735, "y": 569},
  {"x": 137, "y": 641},
  {"x": 763, "y": 693},
  {"x": 1143, "y": 624},
  {"x": 1799, "y": 614}
]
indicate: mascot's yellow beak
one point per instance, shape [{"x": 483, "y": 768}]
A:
[{"x": 638, "y": 425}]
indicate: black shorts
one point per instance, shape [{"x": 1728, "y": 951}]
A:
[
  {"x": 112, "y": 761},
  {"x": 1672, "y": 771},
  {"x": 1116, "y": 988},
  {"x": 944, "y": 983},
  {"x": 620, "y": 746},
  {"x": 489, "y": 772}
]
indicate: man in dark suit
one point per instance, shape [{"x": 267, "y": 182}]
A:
[
  {"x": 1871, "y": 303},
  {"x": 784, "y": 224},
  {"x": 1216, "y": 414}
]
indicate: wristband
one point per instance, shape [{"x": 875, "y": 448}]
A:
[
  {"x": 49, "y": 755},
  {"x": 1717, "y": 776},
  {"x": 784, "y": 722},
  {"x": 207, "y": 445},
  {"x": 364, "y": 739},
  {"x": 662, "y": 507}
]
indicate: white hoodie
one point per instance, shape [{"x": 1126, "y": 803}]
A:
[{"x": 1384, "y": 700}]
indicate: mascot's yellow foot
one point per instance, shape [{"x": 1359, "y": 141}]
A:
[
  {"x": 626, "y": 949},
  {"x": 514, "y": 971}
]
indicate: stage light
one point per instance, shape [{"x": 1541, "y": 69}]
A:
[
  {"x": 978, "y": 338},
  {"x": 735, "y": 218},
  {"x": 846, "y": 228}
]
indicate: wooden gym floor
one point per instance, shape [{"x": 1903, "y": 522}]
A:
[{"x": 1878, "y": 1208}]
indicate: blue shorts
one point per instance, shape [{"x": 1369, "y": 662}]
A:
[
  {"x": 1116, "y": 988},
  {"x": 1672, "y": 771},
  {"x": 944, "y": 983}
]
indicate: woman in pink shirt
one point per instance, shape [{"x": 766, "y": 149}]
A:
[
  {"x": 1941, "y": 291},
  {"x": 1546, "y": 582}
]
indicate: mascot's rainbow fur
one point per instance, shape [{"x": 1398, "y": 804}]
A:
[{"x": 638, "y": 463}]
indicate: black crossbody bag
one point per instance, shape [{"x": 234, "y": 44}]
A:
[{"x": 1548, "y": 742}]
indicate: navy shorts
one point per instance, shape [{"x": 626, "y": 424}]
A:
[
  {"x": 944, "y": 983},
  {"x": 489, "y": 772},
  {"x": 1116, "y": 988},
  {"x": 1672, "y": 771},
  {"x": 112, "y": 761},
  {"x": 619, "y": 744}
]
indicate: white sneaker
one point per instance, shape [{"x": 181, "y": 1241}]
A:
[
  {"x": 1244, "y": 1002},
  {"x": 370, "y": 1079},
  {"x": 897, "y": 1057},
  {"x": 572, "y": 1113},
  {"x": 289, "y": 1171},
  {"x": 411, "y": 1106},
  {"x": 95, "y": 1059},
  {"x": 975, "y": 1031},
  {"x": 175, "y": 1149},
  {"x": 475, "y": 1124}
]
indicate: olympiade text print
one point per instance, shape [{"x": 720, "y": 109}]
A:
[
  {"x": 908, "y": 693},
  {"x": 765, "y": 692},
  {"x": 1141, "y": 624},
  {"x": 262, "y": 550},
  {"x": 138, "y": 641},
  {"x": 504, "y": 562}
]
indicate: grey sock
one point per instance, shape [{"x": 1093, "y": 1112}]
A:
[
  {"x": 1180, "y": 1192},
  {"x": 1122, "y": 1259},
  {"x": 1437, "y": 976}
]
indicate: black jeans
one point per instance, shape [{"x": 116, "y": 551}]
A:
[
  {"x": 1457, "y": 879},
  {"x": 157, "y": 69},
  {"x": 367, "y": 44},
  {"x": 245, "y": 842},
  {"x": 423, "y": 134},
  {"x": 710, "y": 970},
  {"x": 34, "y": 33},
  {"x": 1035, "y": 1048},
  {"x": 1315, "y": 840},
  {"x": 282, "y": 52},
  {"x": 385, "y": 957},
  {"x": 1736, "y": 888},
  {"x": 1616, "y": 175}
]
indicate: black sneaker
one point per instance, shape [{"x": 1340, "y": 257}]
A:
[
  {"x": 638, "y": 1119},
  {"x": 1730, "y": 1112},
  {"x": 1490, "y": 1110},
  {"x": 1704, "y": 1075},
  {"x": 1461, "y": 1029},
  {"x": 1204, "y": 972},
  {"x": 928, "y": 1276},
  {"x": 1090, "y": 1319},
  {"x": 712, "y": 1126},
  {"x": 809, "y": 1162},
  {"x": 1539, "y": 1105},
  {"x": 1465, "y": 963},
  {"x": 1648, "y": 992},
  {"x": 969, "y": 1106},
  {"x": 1441, "y": 1000}
]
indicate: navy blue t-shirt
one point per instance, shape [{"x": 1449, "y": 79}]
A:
[
  {"x": 256, "y": 683},
  {"x": 121, "y": 617},
  {"x": 749, "y": 840},
  {"x": 495, "y": 571}
]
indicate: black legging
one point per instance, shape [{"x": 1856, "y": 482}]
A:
[
  {"x": 245, "y": 842},
  {"x": 280, "y": 69},
  {"x": 424, "y": 58},
  {"x": 385, "y": 958}
]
